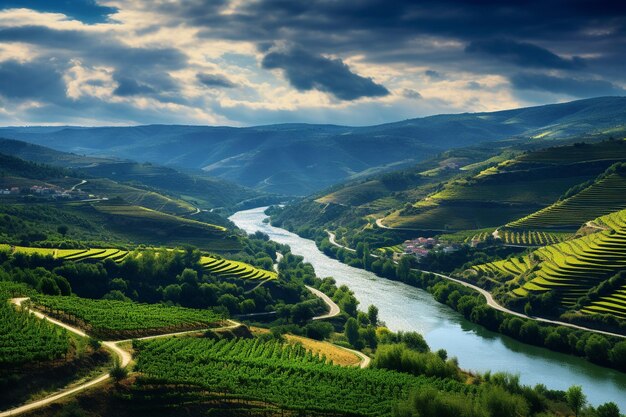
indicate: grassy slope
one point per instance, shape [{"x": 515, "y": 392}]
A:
[
  {"x": 197, "y": 189},
  {"x": 504, "y": 192}
]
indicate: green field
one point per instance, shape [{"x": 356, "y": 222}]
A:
[
  {"x": 109, "y": 319},
  {"x": 116, "y": 255},
  {"x": 570, "y": 268},
  {"x": 142, "y": 213},
  {"x": 614, "y": 303},
  {"x": 25, "y": 339},
  {"x": 531, "y": 237},
  {"x": 602, "y": 197},
  {"x": 225, "y": 268},
  {"x": 466, "y": 236},
  {"x": 221, "y": 268},
  {"x": 390, "y": 250},
  {"x": 285, "y": 375}
]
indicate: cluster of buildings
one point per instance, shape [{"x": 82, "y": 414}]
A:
[
  {"x": 43, "y": 191},
  {"x": 422, "y": 246}
]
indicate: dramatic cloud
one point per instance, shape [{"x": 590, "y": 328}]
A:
[
  {"x": 36, "y": 80},
  {"x": 215, "y": 81},
  {"x": 573, "y": 87},
  {"x": 87, "y": 11},
  {"x": 306, "y": 72},
  {"x": 523, "y": 54},
  {"x": 247, "y": 62}
]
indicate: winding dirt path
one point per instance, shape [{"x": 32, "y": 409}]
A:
[
  {"x": 334, "y": 309},
  {"x": 82, "y": 182},
  {"x": 124, "y": 357},
  {"x": 332, "y": 238},
  {"x": 365, "y": 360}
]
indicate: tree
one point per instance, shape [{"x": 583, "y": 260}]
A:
[
  {"x": 608, "y": 410},
  {"x": 367, "y": 261},
  {"x": 360, "y": 249},
  {"x": 618, "y": 355},
  {"x": 351, "y": 332},
  {"x": 575, "y": 398},
  {"x": 63, "y": 229},
  {"x": 118, "y": 372},
  {"x": 404, "y": 268},
  {"x": 372, "y": 314}
]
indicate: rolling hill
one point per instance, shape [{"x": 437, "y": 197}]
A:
[
  {"x": 513, "y": 188},
  {"x": 299, "y": 153},
  {"x": 195, "y": 187}
]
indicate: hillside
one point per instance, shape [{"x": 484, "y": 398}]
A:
[
  {"x": 604, "y": 195},
  {"x": 299, "y": 152},
  {"x": 196, "y": 188},
  {"x": 570, "y": 270},
  {"x": 509, "y": 190},
  {"x": 43, "y": 204}
]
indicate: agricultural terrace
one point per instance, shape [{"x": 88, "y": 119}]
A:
[
  {"x": 224, "y": 268},
  {"x": 221, "y": 268},
  {"x": 602, "y": 197},
  {"x": 570, "y": 268},
  {"x": 531, "y": 237},
  {"x": 390, "y": 250},
  {"x": 613, "y": 303},
  {"x": 111, "y": 319},
  {"x": 285, "y": 375},
  {"x": 25, "y": 338}
]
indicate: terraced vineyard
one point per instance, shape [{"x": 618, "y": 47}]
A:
[
  {"x": 531, "y": 237},
  {"x": 518, "y": 187},
  {"x": 570, "y": 268},
  {"x": 116, "y": 255},
  {"x": 391, "y": 249},
  {"x": 285, "y": 375},
  {"x": 221, "y": 268},
  {"x": 123, "y": 319},
  {"x": 614, "y": 303},
  {"x": 25, "y": 338},
  {"x": 602, "y": 197},
  {"x": 225, "y": 268}
]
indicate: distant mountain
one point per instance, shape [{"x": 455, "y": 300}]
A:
[{"x": 299, "y": 159}]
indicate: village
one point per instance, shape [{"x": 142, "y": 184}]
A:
[
  {"x": 422, "y": 246},
  {"x": 50, "y": 193}
]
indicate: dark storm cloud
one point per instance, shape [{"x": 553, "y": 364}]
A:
[
  {"x": 307, "y": 72},
  {"x": 87, "y": 11},
  {"x": 215, "y": 81},
  {"x": 523, "y": 54},
  {"x": 498, "y": 36},
  {"x": 129, "y": 87},
  {"x": 138, "y": 71},
  {"x": 434, "y": 75},
  {"x": 34, "y": 80},
  {"x": 98, "y": 47},
  {"x": 574, "y": 87}
]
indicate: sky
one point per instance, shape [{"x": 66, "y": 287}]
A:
[{"x": 254, "y": 62}]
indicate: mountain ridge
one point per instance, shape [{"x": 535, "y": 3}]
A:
[{"x": 300, "y": 152}]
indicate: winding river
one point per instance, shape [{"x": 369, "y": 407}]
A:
[{"x": 403, "y": 307}]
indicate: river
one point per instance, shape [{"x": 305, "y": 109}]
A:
[{"x": 403, "y": 307}]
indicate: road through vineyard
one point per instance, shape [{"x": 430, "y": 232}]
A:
[{"x": 407, "y": 308}]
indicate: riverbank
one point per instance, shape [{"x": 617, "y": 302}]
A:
[{"x": 406, "y": 308}]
